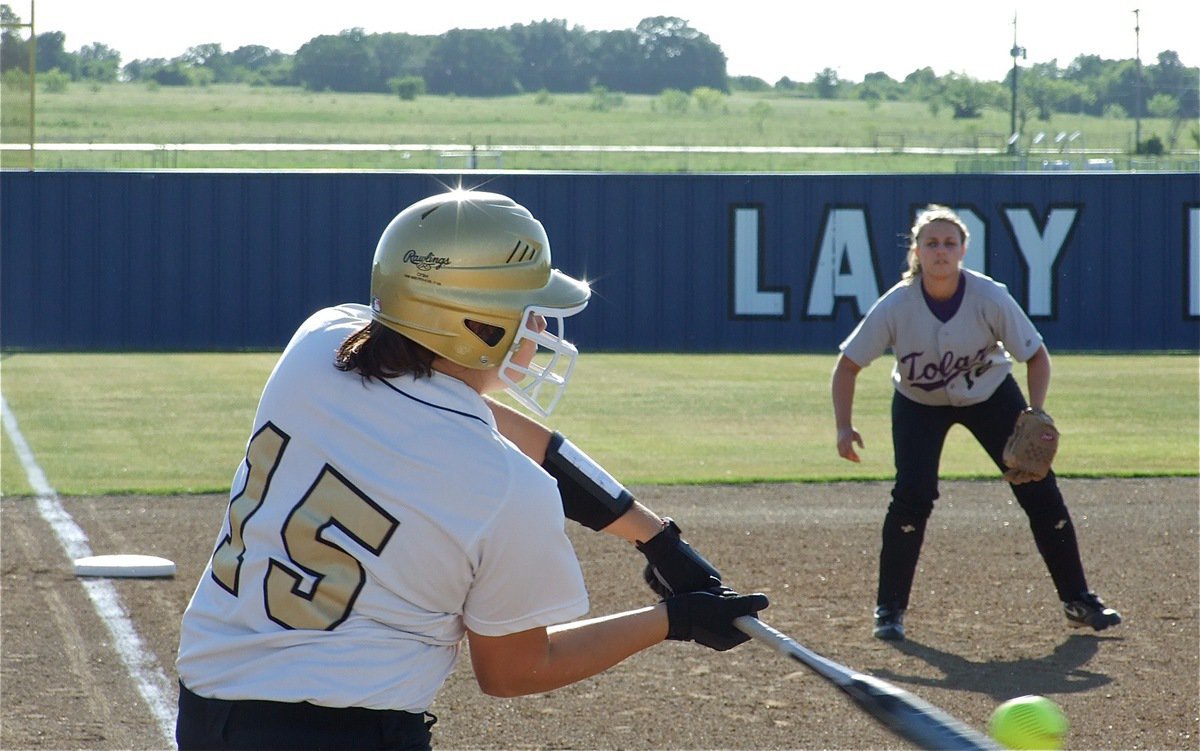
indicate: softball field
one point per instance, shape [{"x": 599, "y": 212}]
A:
[{"x": 984, "y": 625}]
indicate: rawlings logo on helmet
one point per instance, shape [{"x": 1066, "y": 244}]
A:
[{"x": 427, "y": 262}]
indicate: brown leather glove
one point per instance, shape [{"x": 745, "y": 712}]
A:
[{"x": 1030, "y": 449}]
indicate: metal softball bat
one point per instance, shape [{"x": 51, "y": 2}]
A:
[{"x": 905, "y": 714}]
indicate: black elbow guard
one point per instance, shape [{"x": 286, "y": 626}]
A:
[{"x": 590, "y": 495}]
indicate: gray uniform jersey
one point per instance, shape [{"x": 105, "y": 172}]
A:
[{"x": 956, "y": 363}]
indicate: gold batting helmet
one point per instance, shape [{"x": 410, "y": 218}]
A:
[{"x": 475, "y": 256}]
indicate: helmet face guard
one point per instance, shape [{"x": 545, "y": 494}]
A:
[{"x": 540, "y": 384}]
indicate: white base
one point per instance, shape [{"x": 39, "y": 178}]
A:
[{"x": 124, "y": 565}]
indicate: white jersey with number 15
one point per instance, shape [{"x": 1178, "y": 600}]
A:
[{"x": 367, "y": 519}]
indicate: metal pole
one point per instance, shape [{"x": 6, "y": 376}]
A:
[
  {"x": 32, "y": 89},
  {"x": 1016, "y": 51},
  {"x": 1137, "y": 102}
]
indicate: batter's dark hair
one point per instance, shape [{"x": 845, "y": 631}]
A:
[{"x": 375, "y": 351}]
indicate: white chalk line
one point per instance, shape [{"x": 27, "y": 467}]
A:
[{"x": 143, "y": 668}]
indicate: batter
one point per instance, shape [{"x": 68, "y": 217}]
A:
[{"x": 381, "y": 514}]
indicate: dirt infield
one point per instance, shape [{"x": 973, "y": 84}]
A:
[{"x": 984, "y": 624}]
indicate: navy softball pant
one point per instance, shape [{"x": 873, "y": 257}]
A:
[
  {"x": 918, "y": 436},
  {"x": 275, "y": 726}
]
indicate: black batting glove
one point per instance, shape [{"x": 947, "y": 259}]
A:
[
  {"x": 707, "y": 617},
  {"x": 674, "y": 567}
]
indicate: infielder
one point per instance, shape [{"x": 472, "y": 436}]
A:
[
  {"x": 385, "y": 509},
  {"x": 949, "y": 329}
]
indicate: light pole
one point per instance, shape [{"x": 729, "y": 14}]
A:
[
  {"x": 1137, "y": 97},
  {"x": 1016, "y": 51}
]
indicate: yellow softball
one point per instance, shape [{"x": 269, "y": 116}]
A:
[{"x": 1029, "y": 723}]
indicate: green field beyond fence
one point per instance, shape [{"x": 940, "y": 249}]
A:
[
  {"x": 177, "y": 423},
  {"x": 850, "y": 135}
]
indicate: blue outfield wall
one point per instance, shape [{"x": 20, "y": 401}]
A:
[{"x": 702, "y": 263}]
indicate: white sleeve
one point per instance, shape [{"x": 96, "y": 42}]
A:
[
  {"x": 871, "y": 337},
  {"x": 1021, "y": 338},
  {"x": 527, "y": 573}
]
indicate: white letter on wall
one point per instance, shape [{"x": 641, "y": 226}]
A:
[
  {"x": 844, "y": 267},
  {"x": 1040, "y": 251},
  {"x": 976, "y": 258},
  {"x": 749, "y": 299},
  {"x": 1193, "y": 254}
]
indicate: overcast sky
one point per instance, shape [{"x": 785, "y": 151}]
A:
[{"x": 765, "y": 39}]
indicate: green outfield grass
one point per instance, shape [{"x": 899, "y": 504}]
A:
[
  {"x": 177, "y": 423},
  {"x": 239, "y": 113}
]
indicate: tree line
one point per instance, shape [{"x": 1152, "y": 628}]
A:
[{"x": 663, "y": 53}]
